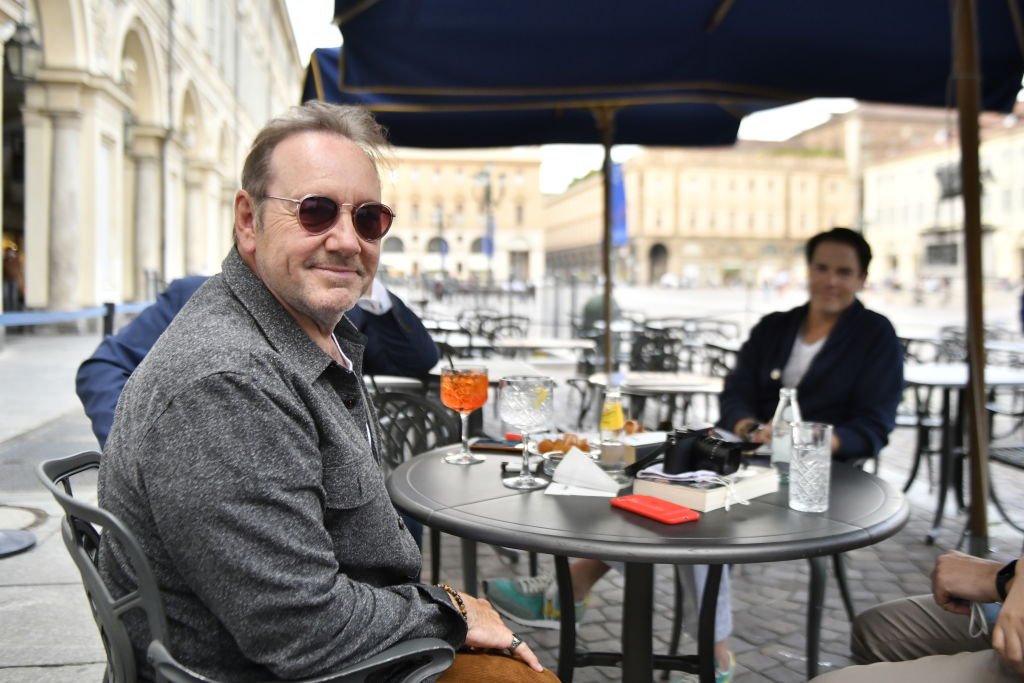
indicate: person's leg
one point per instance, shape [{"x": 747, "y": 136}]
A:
[
  {"x": 911, "y": 628},
  {"x": 585, "y": 573},
  {"x": 694, "y": 577},
  {"x": 973, "y": 667},
  {"x": 533, "y": 600}
]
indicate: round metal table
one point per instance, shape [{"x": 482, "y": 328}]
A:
[{"x": 472, "y": 503}]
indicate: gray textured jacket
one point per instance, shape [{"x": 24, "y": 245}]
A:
[{"x": 239, "y": 457}]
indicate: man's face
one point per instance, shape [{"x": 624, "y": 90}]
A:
[
  {"x": 316, "y": 277},
  {"x": 833, "y": 277}
]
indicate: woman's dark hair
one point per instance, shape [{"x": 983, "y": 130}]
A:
[{"x": 845, "y": 236}]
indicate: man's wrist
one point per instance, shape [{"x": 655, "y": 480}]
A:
[{"x": 1004, "y": 578}]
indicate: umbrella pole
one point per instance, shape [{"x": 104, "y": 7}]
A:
[
  {"x": 606, "y": 128},
  {"x": 967, "y": 95}
]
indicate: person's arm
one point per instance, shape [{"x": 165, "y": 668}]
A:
[
  {"x": 738, "y": 401},
  {"x": 959, "y": 579},
  {"x": 1008, "y": 634},
  {"x": 397, "y": 342},
  {"x": 245, "y": 508},
  {"x": 102, "y": 376},
  {"x": 875, "y": 398}
]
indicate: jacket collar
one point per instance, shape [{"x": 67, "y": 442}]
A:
[{"x": 281, "y": 329}]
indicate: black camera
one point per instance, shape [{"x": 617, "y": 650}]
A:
[{"x": 689, "y": 450}]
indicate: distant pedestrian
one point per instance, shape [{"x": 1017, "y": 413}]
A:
[{"x": 14, "y": 280}]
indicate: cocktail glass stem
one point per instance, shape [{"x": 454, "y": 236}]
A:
[
  {"x": 524, "y": 472},
  {"x": 465, "y": 432}
]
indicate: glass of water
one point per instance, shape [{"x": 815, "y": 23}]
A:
[
  {"x": 526, "y": 403},
  {"x": 810, "y": 466}
]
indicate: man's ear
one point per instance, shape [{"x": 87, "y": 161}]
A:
[{"x": 245, "y": 222}]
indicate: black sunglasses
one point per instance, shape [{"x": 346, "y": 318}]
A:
[{"x": 317, "y": 215}]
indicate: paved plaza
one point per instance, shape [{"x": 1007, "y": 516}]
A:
[{"x": 48, "y": 634}]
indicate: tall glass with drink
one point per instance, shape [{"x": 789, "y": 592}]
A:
[
  {"x": 810, "y": 466},
  {"x": 527, "y": 403},
  {"x": 464, "y": 389}
]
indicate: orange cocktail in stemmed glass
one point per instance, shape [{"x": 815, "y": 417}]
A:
[{"x": 464, "y": 389}]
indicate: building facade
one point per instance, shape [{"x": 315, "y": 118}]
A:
[
  {"x": 122, "y": 156},
  {"x": 914, "y": 211},
  {"x": 466, "y": 215},
  {"x": 706, "y": 217}
]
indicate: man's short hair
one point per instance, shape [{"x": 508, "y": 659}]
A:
[
  {"x": 354, "y": 123},
  {"x": 845, "y": 236}
]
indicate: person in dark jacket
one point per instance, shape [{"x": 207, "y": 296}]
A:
[
  {"x": 243, "y": 450},
  {"x": 845, "y": 360},
  {"x": 397, "y": 344}
]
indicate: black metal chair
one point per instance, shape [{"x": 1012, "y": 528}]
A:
[
  {"x": 413, "y": 424},
  {"x": 81, "y": 527}
]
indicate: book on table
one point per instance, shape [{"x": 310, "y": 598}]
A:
[{"x": 704, "y": 496}]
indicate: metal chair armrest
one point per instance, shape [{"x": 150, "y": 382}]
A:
[{"x": 435, "y": 656}]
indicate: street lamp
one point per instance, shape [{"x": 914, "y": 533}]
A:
[
  {"x": 23, "y": 55},
  {"x": 490, "y": 199},
  {"x": 442, "y": 246}
]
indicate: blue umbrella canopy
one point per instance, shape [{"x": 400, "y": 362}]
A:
[
  {"x": 897, "y": 51},
  {"x": 478, "y": 120}
]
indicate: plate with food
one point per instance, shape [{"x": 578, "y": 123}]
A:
[{"x": 559, "y": 443}]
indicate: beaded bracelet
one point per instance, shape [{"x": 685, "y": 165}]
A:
[{"x": 457, "y": 598}]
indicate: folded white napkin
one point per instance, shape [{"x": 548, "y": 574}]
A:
[{"x": 579, "y": 470}]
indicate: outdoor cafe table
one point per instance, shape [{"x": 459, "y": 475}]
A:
[
  {"x": 649, "y": 383},
  {"x": 655, "y": 382},
  {"x": 496, "y": 367},
  {"x": 949, "y": 377},
  {"x": 526, "y": 345},
  {"x": 472, "y": 503}
]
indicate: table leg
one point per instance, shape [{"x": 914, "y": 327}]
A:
[
  {"x": 567, "y": 609},
  {"x": 637, "y": 609},
  {"x": 469, "y": 567},
  {"x": 706, "y": 629},
  {"x": 815, "y": 605},
  {"x": 945, "y": 467}
]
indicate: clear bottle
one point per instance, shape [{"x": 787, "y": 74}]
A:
[
  {"x": 613, "y": 415},
  {"x": 786, "y": 413}
]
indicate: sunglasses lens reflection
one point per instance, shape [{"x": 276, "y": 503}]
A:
[
  {"x": 372, "y": 219},
  {"x": 317, "y": 214}
]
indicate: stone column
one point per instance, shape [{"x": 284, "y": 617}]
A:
[
  {"x": 65, "y": 214},
  {"x": 195, "y": 222},
  {"x": 147, "y": 224}
]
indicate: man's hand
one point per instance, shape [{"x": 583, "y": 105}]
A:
[
  {"x": 959, "y": 579},
  {"x": 487, "y": 631},
  {"x": 1008, "y": 635}
]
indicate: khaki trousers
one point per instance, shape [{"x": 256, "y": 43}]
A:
[{"x": 913, "y": 640}]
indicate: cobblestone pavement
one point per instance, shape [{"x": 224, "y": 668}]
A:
[{"x": 48, "y": 635}]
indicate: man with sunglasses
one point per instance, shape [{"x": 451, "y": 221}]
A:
[
  {"x": 243, "y": 452},
  {"x": 397, "y": 343}
]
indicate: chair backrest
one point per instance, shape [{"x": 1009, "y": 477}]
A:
[
  {"x": 413, "y": 424},
  {"x": 81, "y": 529}
]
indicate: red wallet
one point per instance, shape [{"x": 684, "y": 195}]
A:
[{"x": 656, "y": 508}]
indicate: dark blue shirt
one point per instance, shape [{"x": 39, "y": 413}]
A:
[
  {"x": 397, "y": 344},
  {"x": 854, "y": 383}
]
